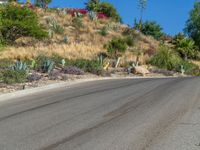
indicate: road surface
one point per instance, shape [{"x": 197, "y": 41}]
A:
[{"x": 125, "y": 114}]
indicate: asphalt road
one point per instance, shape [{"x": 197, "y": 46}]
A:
[{"x": 126, "y": 114}]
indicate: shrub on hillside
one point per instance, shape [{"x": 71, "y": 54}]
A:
[
  {"x": 129, "y": 40},
  {"x": 105, "y": 8},
  {"x": 166, "y": 58},
  {"x": 150, "y": 28},
  {"x": 17, "y": 21},
  {"x": 186, "y": 48},
  {"x": 116, "y": 46},
  {"x": 189, "y": 68},
  {"x": 12, "y": 76},
  {"x": 103, "y": 31},
  {"x": 92, "y": 66}
]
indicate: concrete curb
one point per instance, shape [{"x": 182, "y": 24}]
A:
[{"x": 22, "y": 93}]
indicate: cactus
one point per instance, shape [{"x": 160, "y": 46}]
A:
[
  {"x": 92, "y": 15},
  {"x": 20, "y": 66},
  {"x": 48, "y": 66}
]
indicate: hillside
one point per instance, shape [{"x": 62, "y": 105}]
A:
[
  {"x": 84, "y": 42},
  {"x": 53, "y": 44}
]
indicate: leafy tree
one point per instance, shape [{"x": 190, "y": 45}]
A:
[
  {"x": 150, "y": 28},
  {"x": 193, "y": 24},
  {"x": 43, "y": 3},
  {"x": 92, "y": 5},
  {"x": 186, "y": 48}
]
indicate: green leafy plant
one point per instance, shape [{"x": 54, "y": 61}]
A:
[
  {"x": 103, "y": 7},
  {"x": 17, "y": 21},
  {"x": 20, "y": 66},
  {"x": 77, "y": 22},
  {"x": 116, "y": 47},
  {"x": 166, "y": 58},
  {"x": 150, "y": 28},
  {"x": 54, "y": 25},
  {"x": 13, "y": 76},
  {"x": 189, "y": 67},
  {"x": 186, "y": 48},
  {"x": 47, "y": 66},
  {"x": 129, "y": 40},
  {"x": 103, "y": 31}
]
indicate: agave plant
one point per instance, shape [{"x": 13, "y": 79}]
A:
[
  {"x": 20, "y": 66},
  {"x": 48, "y": 66}
]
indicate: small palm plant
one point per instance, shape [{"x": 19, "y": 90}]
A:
[{"x": 186, "y": 48}]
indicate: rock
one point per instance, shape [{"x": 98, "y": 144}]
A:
[{"x": 140, "y": 70}]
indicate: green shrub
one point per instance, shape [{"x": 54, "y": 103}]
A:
[
  {"x": 150, "y": 28},
  {"x": 54, "y": 25},
  {"x": 92, "y": 66},
  {"x": 77, "y": 22},
  {"x": 11, "y": 76},
  {"x": 103, "y": 7},
  {"x": 166, "y": 58},
  {"x": 186, "y": 48},
  {"x": 17, "y": 21},
  {"x": 189, "y": 67},
  {"x": 103, "y": 31},
  {"x": 129, "y": 40},
  {"x": 116, "y": 46},
  {"x": 109, "y": 10}
]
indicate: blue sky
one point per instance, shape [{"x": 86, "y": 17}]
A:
[{"x": 170, "y": 14}]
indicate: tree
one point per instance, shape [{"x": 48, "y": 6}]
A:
[
  {"x": 42, "y": 3},
  {"x": 150, "y": 28},
  {"x": 193, "y": 24},
  {"x": 92, "y": 5}
]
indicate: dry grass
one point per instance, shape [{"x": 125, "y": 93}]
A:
[{"x": 85, "y": 43}]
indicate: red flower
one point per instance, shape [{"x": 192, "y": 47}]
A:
[{"x": 102, "y": 16}]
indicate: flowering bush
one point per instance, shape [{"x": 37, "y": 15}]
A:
[
  {"x": 73, "y": 12},
  {"x": 102, "y": 16}
]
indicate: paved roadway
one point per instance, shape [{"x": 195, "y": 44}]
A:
[{"x": 125, "y": 114}]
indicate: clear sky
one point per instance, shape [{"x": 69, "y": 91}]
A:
[{"x": 170, "y": 14}]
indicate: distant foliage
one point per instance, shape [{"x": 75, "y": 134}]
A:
[
  {"x": 103, "y": 7},
  {"x": 149, "y": 28},
  {"x": 17, "y": 21},
  {"x": 193, "y": 24},
  {"x": 42, "y": 3}
]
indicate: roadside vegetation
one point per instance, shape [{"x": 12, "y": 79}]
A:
[{"x": 37, "y": 41}]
